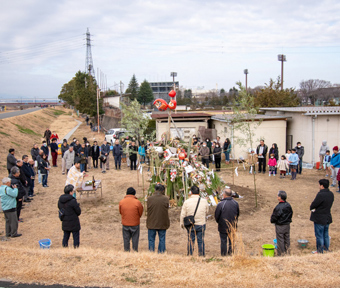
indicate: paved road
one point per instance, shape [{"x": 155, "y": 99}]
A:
[
  {"x": 17, "y": 113},
  {"x": 5, "y": 284}
]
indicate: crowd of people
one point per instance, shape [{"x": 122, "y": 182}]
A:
[{"x": 77, "y": 158}]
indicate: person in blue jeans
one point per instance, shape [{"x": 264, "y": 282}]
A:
[
  {"x": 321, "y": 215},
  {"x": 198, "y": 230},
  {"x": 158, "y": 220},
  {"x": 227, "y": 149}
]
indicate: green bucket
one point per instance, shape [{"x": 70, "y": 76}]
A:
[{"x": 268, "y": 250}]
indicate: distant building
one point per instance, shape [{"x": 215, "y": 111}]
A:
[{"x": 162, "y": 89}]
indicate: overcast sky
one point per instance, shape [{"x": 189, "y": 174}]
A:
[{"x": 208, "y": 43}]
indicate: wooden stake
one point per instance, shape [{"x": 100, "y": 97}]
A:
[{"x": 232, "y": 165}]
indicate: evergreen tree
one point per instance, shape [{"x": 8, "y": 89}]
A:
[
  {"x": 145, "y": 94},
  {"x": 133, "y": 88}
]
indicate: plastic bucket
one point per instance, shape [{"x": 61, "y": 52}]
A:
[
  {"x": 317, "y": 166},
  {"x": 45, "y": 243},
  {"x": 303, "y": 243},
  {"x": 268, "y": 250}
]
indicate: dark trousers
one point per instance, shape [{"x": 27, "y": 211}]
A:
[
  {"x": 95, "y": 162},
  {"x": 31, "y": 189},
  {"x": 218, "y": 164},
  {"x": 118, "y": 161},
  {"x": 11, "y": 223},
  {"x": 75, "y": 235},
  {"x": 44, "y": 180},
  {"x": 299, "y": 170},
  {"x": 322, "y": 237},
  {"x": 152, "y": 236},
  {"x": 133, "y": 164},
  {"x": 205, "y": 162},
  {"x": 199, "y": 231},
  {"x": 224, "y": 240},
  {"x": 283, "y": 238},
  {"x": 19, "y": 206},
  {"x": 131, "y": 232},
  {"x": 262, "y": 164},
  {"x": 54, "y": 158}
]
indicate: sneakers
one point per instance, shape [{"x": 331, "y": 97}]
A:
[
  {"x": 315, "y": 252},
  {"x": 270, "y": 174},
  {"x": 103, "y": 171},
  {"x": 16, "y": 235},
  {"x": 326, "y": 175},
  {"x": 274, "y": 174},
  {"x": 332, "y": 185}
]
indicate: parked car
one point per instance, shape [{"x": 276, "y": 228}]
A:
[{"x": 110, "y": 134}]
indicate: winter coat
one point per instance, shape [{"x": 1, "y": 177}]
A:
[
  {"x": 95, "y": 152},
  {"x": 22, "y": 176},
  {"x": 322, "y": 204},
  {"x": 204, "y": 152},
  {"x": 11, "y": 161},
  {"x": 83, "y": 155},
  {"x": 272, "y": 162},
  {"x": 133, "y": 153},
  {"x": 294, "y": 158},
  {"x": 227, "y": 147},
  {"x": 69, "y": 159},
  {"x": 217, "y": 152},
  {"x": 283, "y": 165},
  {"x": 8, "y": 197},
  {"x": 158, "y": 212},
  {"x": 29, "y": 172},
  {"x": 89, "y": 150},
  {"x": 274, "y": 151},
  {"x": 282, "y": 214},
  {"x": 54, "y": 147},
  {"x": 265, "y": 150},
  {"x": 131, "y": 210},
  {"x": 64, "y": 149},
  {"x": 117, "y": 150},
  {"x": 35, "y": 153},
  {"x": 227, "y": 210},
  {"x": 42, "y": 166},
  {"x": 141, "y": 151},
  {"x": 300, "y": 151},
  {"x": 71, "y": 212},
  {"x": 324, "y": 147},
  {"x": 189, "y": 207},
  {"x": 76, "y": 149},
  {"x": 21, "y": 190},
  {"x": 105, "y": 149},
  {"x": 335, "y": 161},
  {"x": 45, "y": 149},
  {"x": 47, "y": 135}
]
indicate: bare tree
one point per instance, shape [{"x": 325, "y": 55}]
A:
[{"x": 311, "y": 89}]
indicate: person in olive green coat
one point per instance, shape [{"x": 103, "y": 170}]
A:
[{"x": 158, "y": 218}]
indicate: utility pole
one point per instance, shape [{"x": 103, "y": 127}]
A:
[
  {"x": 98, "y": 95},
  {"x": 246, "y": 73},
  {"x": 88, "y": 60},
  {"x": 281, "y": 58}
]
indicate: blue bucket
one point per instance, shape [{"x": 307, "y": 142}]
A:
[{"x": 45, "y": 243}]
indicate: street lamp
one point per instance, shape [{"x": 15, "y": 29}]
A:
[
  {"x": 281, "y": 58},
  {"x": 246, "y": 73}
]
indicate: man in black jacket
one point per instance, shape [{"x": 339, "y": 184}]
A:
[
  {"x": 227, "y": 211},
  {"x": 70, "y": 209},
  {"x": 261, "y": 152},
  {"x": 29, "y": 173},
  {"x": 95, "y": 154},
  {"x": 117, "y": 153},
  {"x": 47, "y": 136},
  {"x": 282, "y": 217},
  {"x": 23, "y": 179},
  {"x": 300, "y": 151},
  {"x": 321, "y": 215},
  {"x": 133, "y": 150},
  {"x": 34, "y": 153},
  {"x": 105, "y": 151},
  {"x": 44, "y": 148},
  {"x": 15, "y": 174},
  {"x": 11, "y": 160}
]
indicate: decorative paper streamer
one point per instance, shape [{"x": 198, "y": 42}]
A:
[
  {"x": 236, "y": 171},
  {"x": 251, "y": 170}
]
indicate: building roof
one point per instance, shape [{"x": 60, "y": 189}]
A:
[
  {"x": 229, "y": 117},
  {"x": 326, "y": 110},
  {"x": 163, "y": 115}
]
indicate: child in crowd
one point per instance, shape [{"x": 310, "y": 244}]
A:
[
  {"x": 272, "y": 164},
  {"x": 327, "y": 163},
  {"x": 293, "y": 162},
  {"x": 287, "y": 159},
  {"x": 283, "y": 166}
]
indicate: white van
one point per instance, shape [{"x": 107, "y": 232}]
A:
[{"x": 109, "y": 135}]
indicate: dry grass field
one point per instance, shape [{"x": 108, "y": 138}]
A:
[{"x": 100, "y": 261}]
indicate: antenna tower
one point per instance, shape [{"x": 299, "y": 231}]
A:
[{"x": 88, "y": 61}]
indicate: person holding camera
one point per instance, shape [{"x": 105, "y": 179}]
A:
[
  {"x": 193, "y": 218},
  {"x": 69, "y": 211}
]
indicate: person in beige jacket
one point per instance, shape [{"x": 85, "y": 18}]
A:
[{"x": 198, "y": 229}]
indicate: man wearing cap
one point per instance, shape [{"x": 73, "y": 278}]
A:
[
  {"x": 335, "y": 164},
  {"x": 226, "y": 215},
  {"x": 282, "y": 217},
  {"x": 131, "y": 210},
  {"x": 158, "y": 220}
]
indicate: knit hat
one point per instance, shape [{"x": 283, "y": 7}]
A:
[
  {"x": 131, "y": 191},
  {"x": 336, "y": 148}
]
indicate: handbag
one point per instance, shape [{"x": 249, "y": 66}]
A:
[{"x": 189, "y": 221}]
